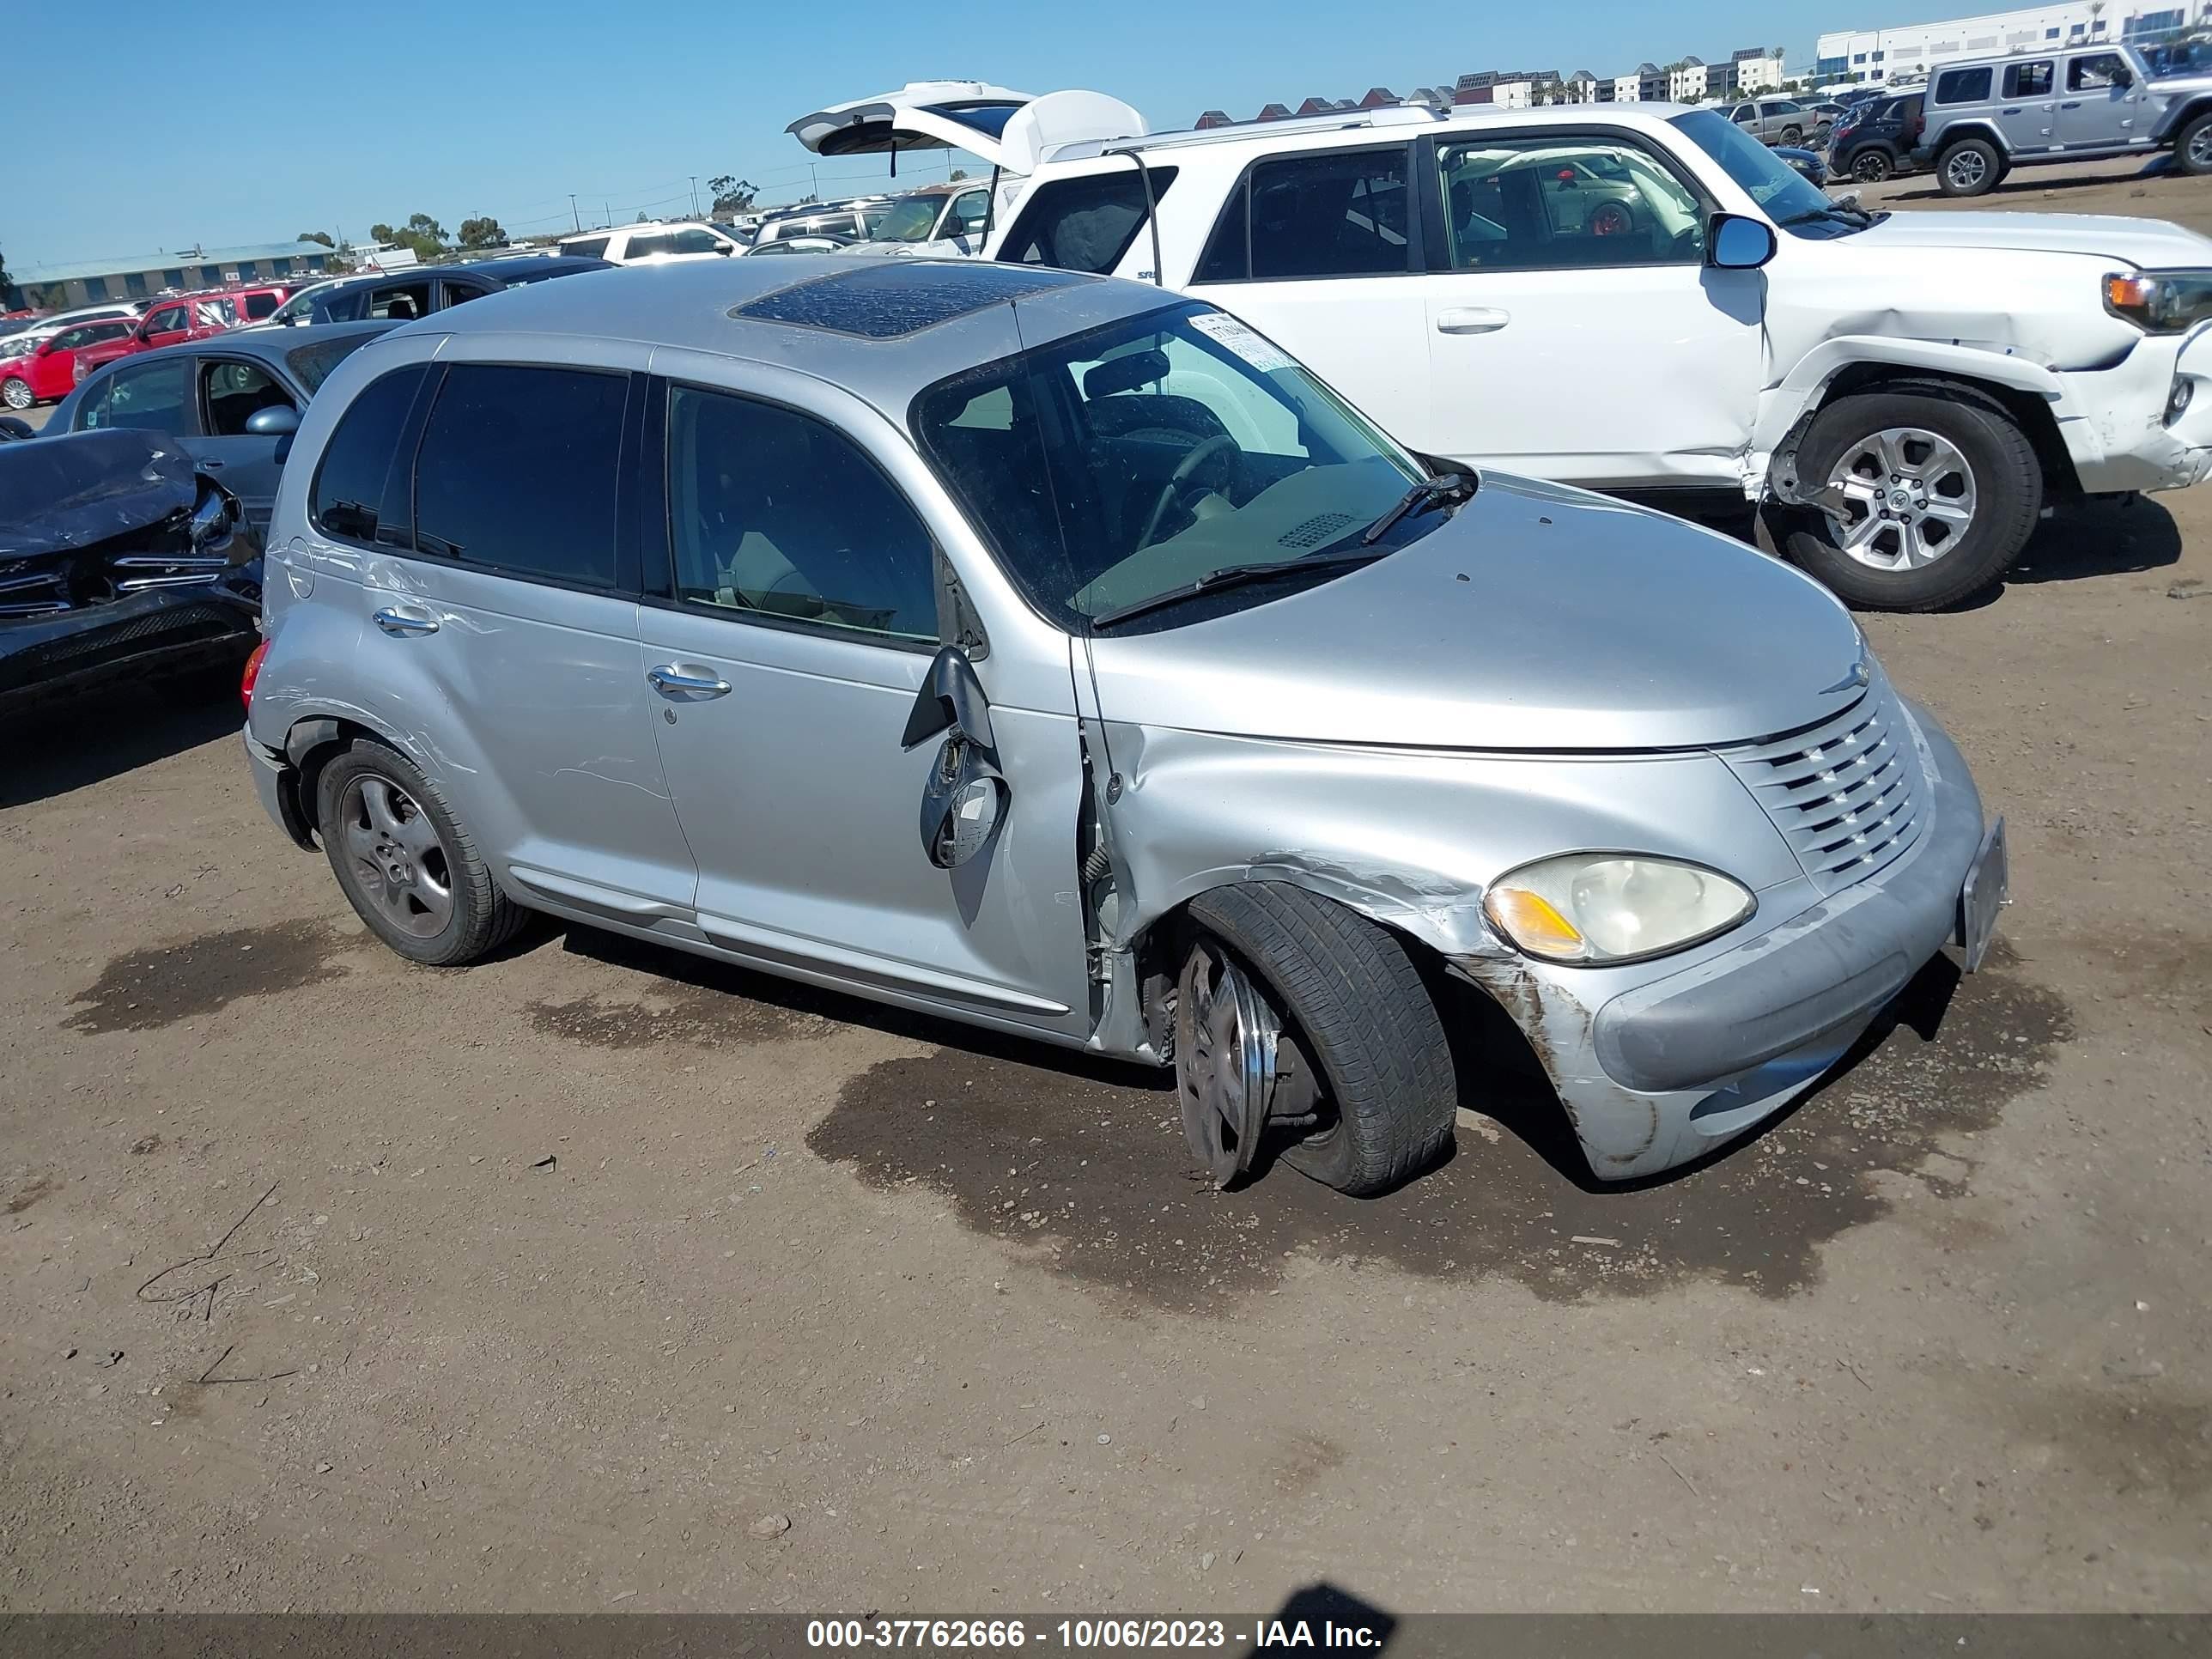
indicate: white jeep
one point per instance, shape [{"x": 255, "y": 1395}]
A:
[{"x": 1644, "y": 298}]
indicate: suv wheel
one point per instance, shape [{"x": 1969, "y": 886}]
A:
[
  {"x": 16, "y": 393},
  {"x": 1969, "y": 167},
  {"x": 1270, "y": 963},
  {"x": 2192, "y": 146},
  {"x": 1871, "y": 166},
  {"x": 1924, "y": 499},
  {"x": 404, "y": 862}
]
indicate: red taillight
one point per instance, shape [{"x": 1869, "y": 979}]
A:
[{"x": 252, "y": 673}]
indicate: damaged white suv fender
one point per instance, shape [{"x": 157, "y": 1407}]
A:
[{"x": 1643, "y": 298}]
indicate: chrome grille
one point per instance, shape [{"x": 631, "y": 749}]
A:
[{"x": 1845, "y": 793}]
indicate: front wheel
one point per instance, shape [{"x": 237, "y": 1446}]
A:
[
  {"x": 16, "y": 393},
  {"x": 1921, "y": 499},
  {"x": 1870, "y": 167},
  {"x": 403, "y": 859},
  {"x": 1969, "y": 167},
  {"x": 1277, "y": 981},
  {"x": 2193, "y": 145}
]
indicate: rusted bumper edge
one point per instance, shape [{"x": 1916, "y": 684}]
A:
[{"x": 1655, "y": 1074}]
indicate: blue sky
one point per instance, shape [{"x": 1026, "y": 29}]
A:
[{"x": 179, "y": 131}]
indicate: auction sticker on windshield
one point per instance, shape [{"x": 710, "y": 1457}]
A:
[{"x": 1225, "y": 330}]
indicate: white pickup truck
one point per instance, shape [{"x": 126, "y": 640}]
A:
[{"x": 1640, "y": 297}]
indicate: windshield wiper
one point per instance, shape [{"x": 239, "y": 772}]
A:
[
  {"x": 1446, "y": 487},
  {"x": 1232, "y": 575},
  {"x": 1850, "y": 216}
]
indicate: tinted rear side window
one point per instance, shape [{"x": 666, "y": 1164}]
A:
[
  {"x": 1963, "y": 86},
  {"x": 517, "y": 470},
  {"x": 259, "y": 306},
  {"x": 358, "y": 494},
  {"x": 1339, "y": 214},
  {"x": 1083, "y": 224},
  {"x": 590, "y": 248}
]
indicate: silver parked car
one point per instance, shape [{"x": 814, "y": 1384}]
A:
[{"x": 1057, "y": 655}]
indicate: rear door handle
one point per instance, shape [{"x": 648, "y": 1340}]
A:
[
  {"x": 401, "y": 623},
  {"x": 680, "y": 680},
  {"x": 1472, "y": 320}
]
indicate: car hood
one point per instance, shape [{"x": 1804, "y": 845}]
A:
[
  {"x": 1537, "y": 617},
  {"x": 2150, "y": 243}
]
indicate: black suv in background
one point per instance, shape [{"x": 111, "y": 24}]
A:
[{"x": 1874, "y": 141}]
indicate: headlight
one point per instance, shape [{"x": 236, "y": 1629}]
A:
[
  {"x": 1595, "y": 908},
  {"x": 2160, "y": 301}
]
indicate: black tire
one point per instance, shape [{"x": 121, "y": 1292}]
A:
[
  {"x": 1790, "y": 136},
  {"x": 1354, "y": 996},
  {"x": 2008, "y": 482},
  {"x": 2192, "y": 147},
  {"x": 1871, "y": 166},
  {"x": 483, "y": 918},
  {"x": 1971, "y": 180}
]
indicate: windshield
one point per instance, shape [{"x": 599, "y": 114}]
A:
[
  {"x": 1133, "y": 460},
  {"x": 910, "y": 219},
  {"x": 310, "y": 365},
  {"x": 1786, "y": 196}
]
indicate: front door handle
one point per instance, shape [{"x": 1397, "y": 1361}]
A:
[
  {"x": 674, "y": 679},
  {"x": 2075, "y": 104},
  {"x": 208, "y": 466},
  {"x": 401, "y": 623},
  {"x": 1472, "y": 320}
]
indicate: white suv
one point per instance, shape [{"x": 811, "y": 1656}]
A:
[
  {"x": 1644, "y": 297},
  {"x": 655, "y": 244}
]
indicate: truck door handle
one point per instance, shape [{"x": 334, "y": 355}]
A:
[
  {"x": 2071, "y": 104},
  {"x": 671, "y": 679},
  {"x": 1472, "y": 320},
  {"x": 400, "y": 624}
]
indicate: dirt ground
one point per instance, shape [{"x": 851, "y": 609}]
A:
[{"x": 331, "y": 1283}]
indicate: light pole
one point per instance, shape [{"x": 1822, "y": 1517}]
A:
[
  {"x": 573, "y": 214},
  {"x": 695, "y": 196}
]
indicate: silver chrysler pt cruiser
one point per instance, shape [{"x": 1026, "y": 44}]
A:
[{"x": 1056, "y": 655}]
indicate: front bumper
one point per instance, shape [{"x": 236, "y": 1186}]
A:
[
  {"x": 1656, "y": 1073},
  {"x": 2114, "y": 420}
]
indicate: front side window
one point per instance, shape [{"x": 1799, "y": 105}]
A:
[
  {"x": 1963, "y": 86},
  {"x": 1083, "y": 224},
  {"x": 359, "y": 491},
  {"x": 696, "y": 241},
  {"x": 517, "y": 471},
  {"x": 402, "y": 302},
  {"x": 972, "y": 211},
  {"x": 774, "y": 514},
  {"x": 155, "y": 396},
  {"x": 169, "y": 319},
  {"x": 2094, "y": 73},
  {"x": 1127, "y": 462},
  {"x": 233, "y": 392},
  {"x": 911, "y": 219},
  {"x": 1799, "y": 207},
  {"x": 2028, "y": 80},
  {"x": 1539, "y": 204}
]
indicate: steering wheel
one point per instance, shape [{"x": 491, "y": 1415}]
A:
[{"x": 1203, "y": 451}]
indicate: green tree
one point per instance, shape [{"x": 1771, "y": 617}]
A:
[
  {"x": 481, "y": 232},
  {"x": 422, "y": 234},
  {"x": 733, "y": 194},
  {"x": 322, "y": 236},
  {"x": 957, "y": 174}
]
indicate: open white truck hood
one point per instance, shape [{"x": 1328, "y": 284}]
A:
[{"x": 1009, "y": 129}]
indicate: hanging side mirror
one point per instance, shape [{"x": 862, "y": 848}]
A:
[{"x": 966, "y": 795}]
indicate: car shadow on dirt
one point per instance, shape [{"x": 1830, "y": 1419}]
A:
[
  {"x": 2032, "y": 181},
  {"x": 50, "y": 749},
  {"x": 2111, "y": 537}
]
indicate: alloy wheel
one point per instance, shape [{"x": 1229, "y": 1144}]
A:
[
  {"x": 1966, "y": 169},
  {"x": 1901, "y": 498},
  {"x": 2200, "y": 148},
  {"x": 16, "y": 394},
  {"x": 396, "y": 855},
  {"x": 1870, "y": 167}
]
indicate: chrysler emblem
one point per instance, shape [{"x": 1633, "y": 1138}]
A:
[{"x": 1856, "y": 677}]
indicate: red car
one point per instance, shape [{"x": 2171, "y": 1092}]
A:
[
  {"x": 168, "y": 322},
  {"x": 49, "y": 370}
]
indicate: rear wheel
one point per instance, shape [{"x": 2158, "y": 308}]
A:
[
  {"x": 1923, "y": 499},
  {"x": 1289, "y": 1001},
  {"x": 1791, "y": 135},
  {"x": 1969, "y": 167},
  {"x": 2193, "y": 145},
  {"x": 16, "y": 393},
  {"x": 1871, "y": 166},
  {"x": 405, "y": 863}
]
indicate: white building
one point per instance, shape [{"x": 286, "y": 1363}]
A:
[
  {"x": 1874, "y": 57},
  {"x": 1513, "y": 94},
  {"x": 1627, "y": 88},
  {"x": 1685, "y": 81},
  {"x": 1759, "y": 74}
]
